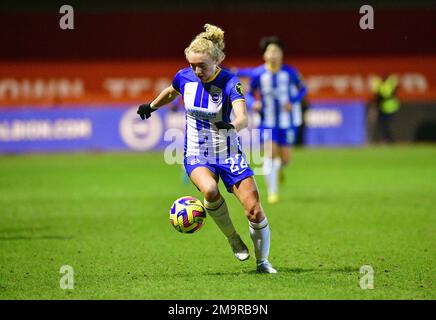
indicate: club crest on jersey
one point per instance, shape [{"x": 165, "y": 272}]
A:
[
  {"x": 195, "y": 161},
  {"x": 239, "y": 89},
  {"x": 215, "y": 94}
]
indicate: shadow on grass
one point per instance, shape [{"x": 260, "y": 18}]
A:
[
  {"x": 287, "y": 270},
  {"x": 33, "y": 233},
  {"x": 346, "y": 269},
  {"x": 22, "y": 229},
  {"x": 11, "y": 238}
]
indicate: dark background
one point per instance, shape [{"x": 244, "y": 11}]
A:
[
  {"x": 135, "y": 29},
  {"x": 160, "y": 30}
]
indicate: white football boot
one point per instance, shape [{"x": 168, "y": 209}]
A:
[
  {"x": 265, "y": 267},
  {"x": 239, "y": 248}
]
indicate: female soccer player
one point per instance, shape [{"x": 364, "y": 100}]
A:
[
  {"x": 279, "y": 87},
  {"x": 212, "y": 149}
]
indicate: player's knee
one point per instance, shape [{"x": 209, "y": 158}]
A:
[
  {"x": 255, "y": 213},
  {"x": 210, "y": 191}
]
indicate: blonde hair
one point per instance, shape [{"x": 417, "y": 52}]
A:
[{"x": 211, "y": 41}]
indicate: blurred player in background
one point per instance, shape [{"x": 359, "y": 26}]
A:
[
  {"x": 277, "y": 90},
  {"x": 212, "y": 148}
]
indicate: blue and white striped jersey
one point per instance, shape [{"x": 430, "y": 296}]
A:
[
  {"x": 276, "y": 90},
  {"x": 207, "y": 103}
]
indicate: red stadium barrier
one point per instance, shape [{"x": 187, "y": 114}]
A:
[{"x": 60, "y": 83}]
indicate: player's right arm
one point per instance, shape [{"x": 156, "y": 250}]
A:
[{"x": 166, "y": 96}]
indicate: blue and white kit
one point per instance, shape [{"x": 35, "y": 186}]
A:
[
  {"x": 207, "y": 103},
  {"x": 276, "y": 90}
]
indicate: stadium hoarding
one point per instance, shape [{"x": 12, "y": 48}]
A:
[
  {"x": 98, "y": 128},
  {"x": 58, "y": 83},
  {"x": 118, "y": 128},
  {"x": 329, "y": 123}
]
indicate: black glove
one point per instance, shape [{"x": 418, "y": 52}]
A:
[
  {"x": 145, "y": 111},
  {"x": 224, "y": 125}
]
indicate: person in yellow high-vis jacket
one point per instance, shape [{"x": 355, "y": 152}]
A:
[{"x": 387, "y": 103}]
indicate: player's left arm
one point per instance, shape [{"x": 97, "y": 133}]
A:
[
  {"x": 240, "y": 120},
  {"x": 237, "y": 98},
  {"x": 239, "y": 106}
]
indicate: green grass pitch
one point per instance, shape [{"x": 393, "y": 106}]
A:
[{"x": 106, "y": 215}]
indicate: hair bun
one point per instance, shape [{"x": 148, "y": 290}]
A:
[{"x": 214, "y": 34}]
